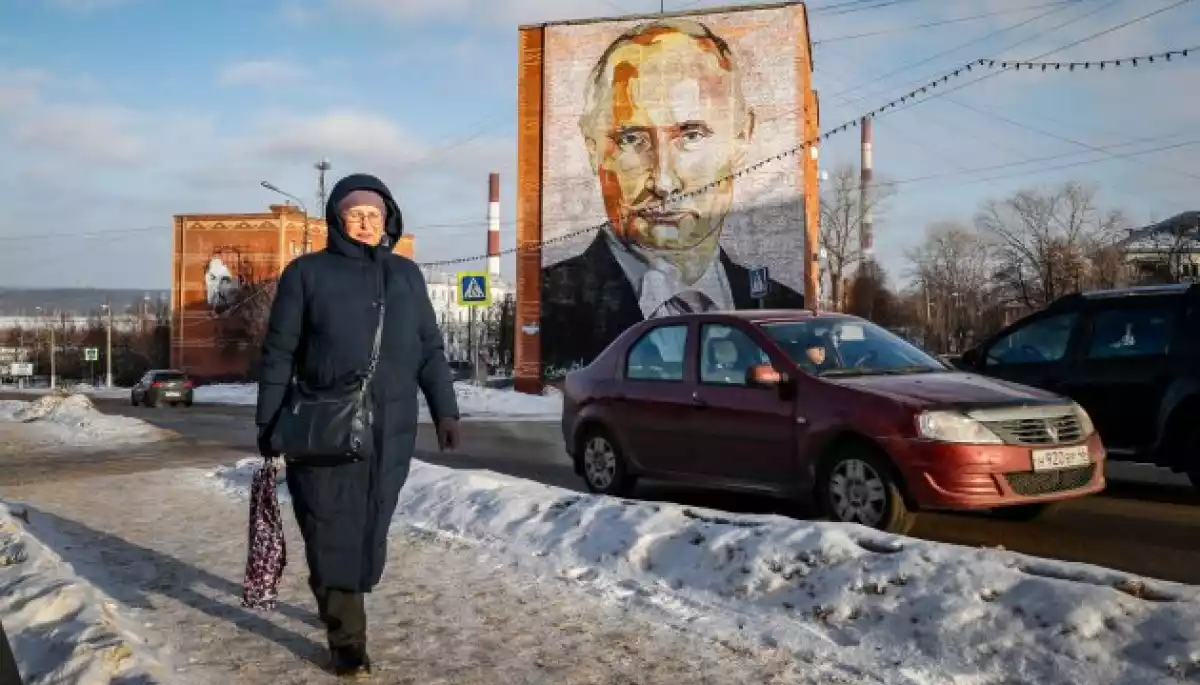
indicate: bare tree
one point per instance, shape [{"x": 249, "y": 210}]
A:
[
  {"x": 841, "y": 222},
  {"x": 1048, "y": 244},
  {"x": 952, "y": 270}
]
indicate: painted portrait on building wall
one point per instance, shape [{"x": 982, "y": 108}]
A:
[{"x": 666, "y": 114}]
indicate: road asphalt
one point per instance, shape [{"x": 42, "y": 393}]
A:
[{"x": 1147, "y": 522}]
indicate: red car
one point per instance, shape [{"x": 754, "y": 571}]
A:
[{"x": 827, "y": 408}]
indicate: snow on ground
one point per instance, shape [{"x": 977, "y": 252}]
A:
[
  {"x": 474, "y": 402},
  {"x": 904, "y": 610},
  {"x": 59, "y": 419},
  {"x": 448, "y": 612},
  {"x": 61, "y": 628}
]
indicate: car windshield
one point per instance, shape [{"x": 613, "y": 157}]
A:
[{"x": 836, "y": 346}]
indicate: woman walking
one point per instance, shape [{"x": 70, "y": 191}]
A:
[{"x": 353, "y": 315}]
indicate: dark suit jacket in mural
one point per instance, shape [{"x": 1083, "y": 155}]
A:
[{"x": 587, "y": 301}]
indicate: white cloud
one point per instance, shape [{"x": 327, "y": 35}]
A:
[{"x": 260, "y": 73}]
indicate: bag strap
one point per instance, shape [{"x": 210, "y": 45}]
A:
[{"x": 382, "y": 304}]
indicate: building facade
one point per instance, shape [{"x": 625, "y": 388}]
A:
[
  {"x": 598, "y": 247},
  {"x": 224, "y": 269}
]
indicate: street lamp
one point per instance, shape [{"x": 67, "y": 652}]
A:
[{"x": 271, "y": 187}]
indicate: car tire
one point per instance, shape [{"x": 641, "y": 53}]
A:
[
  {"x": 857, "y": 485},
  {"x": 603, "y": 465},
  {"x": 1025, "y": 513},
  {"x": 187, "y": 403}
]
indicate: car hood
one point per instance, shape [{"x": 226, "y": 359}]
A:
[{"x": 948, "y": 389}]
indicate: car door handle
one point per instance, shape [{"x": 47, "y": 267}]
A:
[{"x": 698, "y": 401}]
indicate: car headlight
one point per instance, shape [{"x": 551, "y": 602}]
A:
[
  {"x": 951, "y": 426},
  {"x": 1085, "y": 422}
]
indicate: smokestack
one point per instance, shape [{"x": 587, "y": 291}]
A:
[
  {"x": 493, "y": 220},
  {"x": 866, "y": 234}
]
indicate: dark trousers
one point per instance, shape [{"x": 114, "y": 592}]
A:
[{"x": 344, "y": 615}]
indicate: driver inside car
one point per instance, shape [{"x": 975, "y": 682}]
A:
[{"x": 817, "y": 357}]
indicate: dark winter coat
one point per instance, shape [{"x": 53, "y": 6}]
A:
[{"x": 321, "y": 328}]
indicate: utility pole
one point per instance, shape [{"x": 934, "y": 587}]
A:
[
  {"x": 53, "y": 356},
  {"x": 108, "y": 346}
]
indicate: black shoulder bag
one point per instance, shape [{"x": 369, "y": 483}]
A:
[{"x": 332, "y": 426}]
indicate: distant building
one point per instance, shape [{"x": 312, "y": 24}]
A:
[
  {"x": 1165, "y": 252},
  {"x": 455, "y": 320},
  {"x": 224, "y": 269}
]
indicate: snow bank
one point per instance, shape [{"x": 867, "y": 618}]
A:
[
  {"x": 474, "y": 402},
  {"x": 904, "y": 610},
  {"x": 73, "y": 420},
  {"x": 62, "y": 629}
]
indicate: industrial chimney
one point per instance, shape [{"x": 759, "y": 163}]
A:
[{"x": 493, "y": 221}]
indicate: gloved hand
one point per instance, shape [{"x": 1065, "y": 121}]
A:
[
  {"x": 264, "y": 444},
  {"x": 448, "y": 434}
]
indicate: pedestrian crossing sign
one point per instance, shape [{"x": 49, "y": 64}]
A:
[
  {"x": 759, "y": 282},
  {"x": 473, "y": 289}
]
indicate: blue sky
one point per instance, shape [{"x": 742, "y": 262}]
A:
[{"x": 117, "y": 114}]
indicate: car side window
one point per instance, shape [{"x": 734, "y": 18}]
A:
[
  {"x": 1038, "y": 342},
  {"x": 658, "y": 355},
  {"x": 1141, "y": 332},
  {"x": 727, "y": 354}
]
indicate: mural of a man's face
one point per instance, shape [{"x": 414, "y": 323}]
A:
[
  {"x": 668, "y": 116},
  {"x": 219, "y": 284}
]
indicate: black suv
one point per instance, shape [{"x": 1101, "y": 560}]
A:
[
  {"x": 156, "y": 387},
  {"x": 1130, "y": 357}
]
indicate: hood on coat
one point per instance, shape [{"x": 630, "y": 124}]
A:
[{"x": 339, "y": 241}]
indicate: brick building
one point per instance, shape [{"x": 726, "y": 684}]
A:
[{"x": 224, "y": 268}]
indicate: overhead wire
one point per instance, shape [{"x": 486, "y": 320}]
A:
[
  {"x": 1034, "y": 36},
  {"x": 934, "y": 24}
]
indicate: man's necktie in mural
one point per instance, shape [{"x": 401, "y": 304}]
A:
[{"x": 686, "y": 302}]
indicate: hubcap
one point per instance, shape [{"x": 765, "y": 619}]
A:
[
  {"x": 857, "y": 493},
  {"x": 599, "y": 463}
]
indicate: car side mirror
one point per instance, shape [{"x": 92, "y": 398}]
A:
[
  {"x": 970, "y": 358},
  {"x": 764, "y": 376}
]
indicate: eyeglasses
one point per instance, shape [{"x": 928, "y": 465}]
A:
[{"x": 357, "y": 217}]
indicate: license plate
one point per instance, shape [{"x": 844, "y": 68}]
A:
[
  {"x": 1061, "y": 458},
  {"x": 172, "y": 394}
]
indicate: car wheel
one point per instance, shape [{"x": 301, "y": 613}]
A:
[
  {"x": 187, "y": 403},
  {"x": 858, "y": 486},
  {"x": 1024, "y": 512},
  {"x": 604, "y": 467}
]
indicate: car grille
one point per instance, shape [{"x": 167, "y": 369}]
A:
[
  {"x": 1031, "y": 483},
  {"x": 1056, "y": 430}
]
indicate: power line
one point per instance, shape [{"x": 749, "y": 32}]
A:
[
  {"x": 943, "y": 53},
  {"x": 942, "y": 22},
  {"x": 1035, "y": 58},
  {"x": 1038, "y": 34}
]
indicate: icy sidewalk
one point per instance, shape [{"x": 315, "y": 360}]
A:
[
  {"x": 447, "y": 613},
  {"x": 837, "y": 598}
]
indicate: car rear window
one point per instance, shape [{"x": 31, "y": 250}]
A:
[{"x": 170, "y": 376}]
